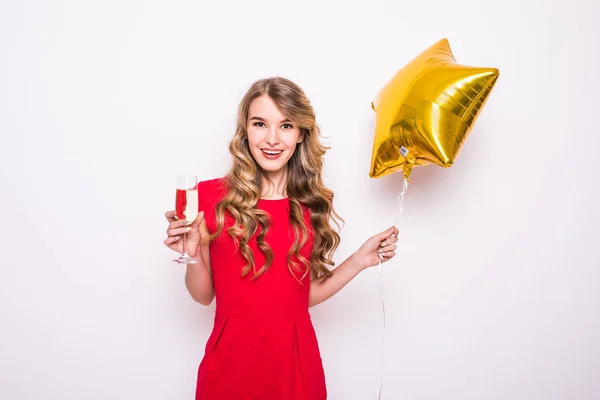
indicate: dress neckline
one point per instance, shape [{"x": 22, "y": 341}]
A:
[{"x": 275, "y": 200}]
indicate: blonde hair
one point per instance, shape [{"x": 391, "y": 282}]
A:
[{"x": 304, "y": 186}]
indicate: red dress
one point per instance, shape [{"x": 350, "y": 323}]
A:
[{"x": 263, "y": 345}]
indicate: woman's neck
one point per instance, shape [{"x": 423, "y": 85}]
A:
[{"x": 274, "y": 185}]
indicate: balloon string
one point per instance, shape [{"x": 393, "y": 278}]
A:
[
  {"x": 400, "y": 213},
  {"x": 383, "y": 335},
  {"x": 401, "y": 199}
]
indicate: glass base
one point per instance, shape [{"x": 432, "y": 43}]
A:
[{"x": 185, "y": 259}]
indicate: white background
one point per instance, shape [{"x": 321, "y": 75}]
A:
[{"x": 495, "y": 292}]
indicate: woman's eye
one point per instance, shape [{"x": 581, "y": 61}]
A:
[
  {"x": 259, "y": 124},
  {"x": 287, "y": 126}
]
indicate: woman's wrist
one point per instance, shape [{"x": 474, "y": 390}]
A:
[{"x": 356, "y": 261}]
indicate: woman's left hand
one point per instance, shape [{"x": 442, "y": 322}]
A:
[{"x": 381, "y": 244}]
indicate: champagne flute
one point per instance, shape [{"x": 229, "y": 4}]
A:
[{"x": 186, "y": 207}]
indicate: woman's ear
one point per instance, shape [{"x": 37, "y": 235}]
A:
[{"x": 301, "y": 137}]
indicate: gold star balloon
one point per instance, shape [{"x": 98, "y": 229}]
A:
[{"x": 426, "y": 111}]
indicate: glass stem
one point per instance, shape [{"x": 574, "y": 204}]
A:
[{"x": 184, "y": 244}]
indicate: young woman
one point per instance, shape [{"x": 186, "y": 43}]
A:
[{"x": 264, "y": 242}]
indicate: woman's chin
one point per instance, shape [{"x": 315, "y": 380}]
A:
[{"x": 271, "y": 168}]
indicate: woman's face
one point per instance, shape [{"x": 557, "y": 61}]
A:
[{"x": 272, "y": 137}]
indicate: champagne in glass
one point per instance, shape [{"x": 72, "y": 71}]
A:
[{"x": 186, "y": 207}]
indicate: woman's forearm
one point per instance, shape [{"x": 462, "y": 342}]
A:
[
  {"x": 344, "y": 273},
  {"x": 198, "y": 282}
]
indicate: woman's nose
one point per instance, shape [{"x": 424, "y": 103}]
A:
[{"x": 272, "y": 137}]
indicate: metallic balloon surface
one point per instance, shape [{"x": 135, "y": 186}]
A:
[{"x": 428, "y": 107}]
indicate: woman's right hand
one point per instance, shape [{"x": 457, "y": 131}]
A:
[{"x": 177, "y": 228}]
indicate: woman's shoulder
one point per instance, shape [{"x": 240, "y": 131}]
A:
[
  {"x": 212, "y": 190},
  {"x": 213, "y": 183}
]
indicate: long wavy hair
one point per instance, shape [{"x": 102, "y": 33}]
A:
[{"x": 304, "y": 187}]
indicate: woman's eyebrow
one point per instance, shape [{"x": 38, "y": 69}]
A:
[{"x": 264, "y": 120}]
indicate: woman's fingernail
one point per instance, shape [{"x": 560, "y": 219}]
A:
[{"x": 188, "y": 229}]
